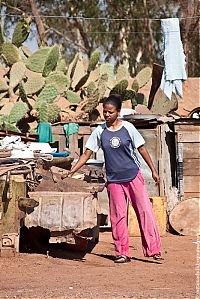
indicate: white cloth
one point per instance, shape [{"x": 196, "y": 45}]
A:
[{"x": 174, "y": 70}]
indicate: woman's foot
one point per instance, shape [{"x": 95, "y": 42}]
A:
[
  {"x": 122, "y": 259},
  {"x": 157, "y": 257}
]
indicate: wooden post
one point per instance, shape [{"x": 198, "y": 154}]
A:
[{"x": 11, "y": 191}]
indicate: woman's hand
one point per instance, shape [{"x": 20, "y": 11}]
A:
[
  {"x": 155, "y": 176},
  {"x": 81, "y": 161},
  {"x": 66, "y": 174}
]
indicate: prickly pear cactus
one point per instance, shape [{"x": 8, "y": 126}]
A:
[
  {"x": 107, "y": 68},
  {"x": 61, "y": 66},
  {"x": 73, "y": 97},
  {"x": 22, "y": 92},
  {"x": 51, "y": 61},
  {"x": 42, "y": 107},
  {"x": 92, "y": 101},
  {"x": 36, "y": 61},
  {"x": 53, "y": 112},
  {"x": 135, "y": 86},
  {"x": 48, "y": 94},
  {"x": 122, "y": 73},
  {"x": 74, "y": 64},
  {"x": 18, "y": 111},
  {"x": 59, "y": 80},
  {"x": 143, "y": 76},
  {"x": 17, "y": 73},
  {"x": 128, "y": 94},
  {"x": 94, "y": 59},
  {"x": 10, "y": 53},
  {"x": 90, "y": 88},
  {"x": 82, "y": 81},
  {"x": 34, "y": 84},
  {"x": 21, "y": 32},
  {"x": 120, "y": 87}
]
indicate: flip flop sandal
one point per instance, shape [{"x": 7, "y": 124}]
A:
[
  {"x": 158, "y": 257},
  {"x": 122, "y": 259}
]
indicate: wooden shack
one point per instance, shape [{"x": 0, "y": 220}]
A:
[{"x": 188, "y": 157}]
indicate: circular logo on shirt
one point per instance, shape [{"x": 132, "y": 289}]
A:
[{"x": 115, "y": 142}]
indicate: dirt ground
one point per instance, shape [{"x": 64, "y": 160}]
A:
[{"x": 69, "y": 274}]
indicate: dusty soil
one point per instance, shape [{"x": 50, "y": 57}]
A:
[{"x": 69, "y": 274}]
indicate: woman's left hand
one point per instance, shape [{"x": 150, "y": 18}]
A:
[{"x": 155, "y": 176}]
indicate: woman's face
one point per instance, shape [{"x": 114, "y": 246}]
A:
[{"x": 110, "y": 113}]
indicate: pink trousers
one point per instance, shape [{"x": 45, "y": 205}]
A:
[{"x": 136, "y": 193}]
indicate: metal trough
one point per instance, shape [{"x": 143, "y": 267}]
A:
[{"x": 66, "y": 214}]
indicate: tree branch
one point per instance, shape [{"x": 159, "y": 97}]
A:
[
  {"x": 83, "y": 35},
  {"x": 38, "y": 22},
  {"x": 66, "y": 38}
]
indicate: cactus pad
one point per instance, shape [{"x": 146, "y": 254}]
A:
[
  {"x": 74, "y": 64},
  {"x": 61, "y": 66},
  {"x": 94, "y": 59},
  {"x": 90, "y": 88},
  {"x": 82, "y": 81},
  {"x": 73, "y": 97},
  {"x": 18, "y": 111},
  {"x": 10, "y": 53},
  {"x": 22, "y": 92},
  {"x": 128, "y": 94},
  {"x": 143, "y": 76},
  {"x": 53, "y": 112},
  {"x": 120, "y": 87},
  {"x": 102, "y": 85},
  {"x": 48, "y": 94},
  {"x": 59, "y": 80},
  {"x": 92, "y": 102},
  {"x": 21, "y": 32},
  {"x": 36, "y": 61},
  {"x": 17, "y": 73},
  {"x": 34, "y": 84},
  {"x": 122, "y": 73},
  {"x": 107, "y": 68},
  {"x": 51, "y": 61},
  {"x": 42, "y": 108},
  {"x": 10, "y": 127},
  {"x": 135, "y": 85}
]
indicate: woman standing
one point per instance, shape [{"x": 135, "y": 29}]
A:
[{"x": 118, "y": 140}]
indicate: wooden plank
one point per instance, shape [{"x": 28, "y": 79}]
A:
[
  {"x": 191, "y": 150},
  {"x": 188, "y": 195},
  {"x": 62, "y": 143},
  {"x": 83, "y": 130},
  {"x": 85, "y": 138},
  {"x": 73, "y": 145},
  {"x": 188, "y": 136},
  {"x": 57, "y": 130},
  {"x": 191, "y": 167},
  {"x": 190, "y": 128},
  {"x": 191, "y": 183}
]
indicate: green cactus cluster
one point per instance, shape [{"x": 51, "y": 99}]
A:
[
  {"x": 37, "y": 80},
  {"x": 8, "y": 122}
]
